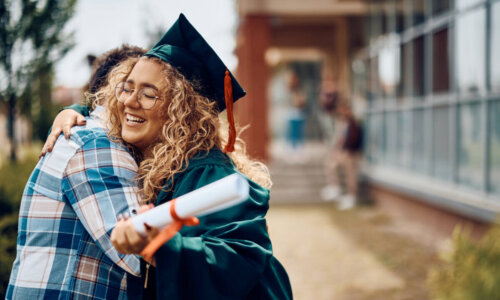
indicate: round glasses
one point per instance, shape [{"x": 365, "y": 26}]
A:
[{"x": 146, "y": 97}]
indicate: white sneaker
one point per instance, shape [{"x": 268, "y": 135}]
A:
[
  {"x": 346, "y": 202},
  {"x": 330, "y": 193}
]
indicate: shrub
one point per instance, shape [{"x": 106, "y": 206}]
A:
[
  {"x": 8, "y": 238},
  {"x": 13, "y": 178},
  {"x": 471, "y": 270}
]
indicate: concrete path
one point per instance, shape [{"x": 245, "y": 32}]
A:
[
  {"x": 329, "y": 254},
  {"x": 321, "y": 261}
]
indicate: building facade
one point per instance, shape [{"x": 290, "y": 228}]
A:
[
  {"x": 430, "y": 75},
  {"x": 425, "y": 72}
]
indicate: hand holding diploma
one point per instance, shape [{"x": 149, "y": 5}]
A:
[{"x": 131, "y": 236}]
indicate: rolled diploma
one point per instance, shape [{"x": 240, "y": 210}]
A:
[{"x": 213, "y": 197}]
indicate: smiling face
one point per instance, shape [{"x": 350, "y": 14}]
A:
[{"x": 141, "y": 127}]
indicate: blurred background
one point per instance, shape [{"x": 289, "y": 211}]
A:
[{"x": 379, "y": 120}]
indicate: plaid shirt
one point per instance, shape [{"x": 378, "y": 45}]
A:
[{"x": 68, "y": 210}]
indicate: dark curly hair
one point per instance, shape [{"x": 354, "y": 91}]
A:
[{"x": 104, "y": 63}]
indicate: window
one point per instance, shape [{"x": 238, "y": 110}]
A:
[
  {"x": 400, "y": 15},
  {"x": 374, "y": 83},
  {"x": 391, "y": 127},
  {"x": 374, "y": 138},
  {"x": 418, "y": 66},
  {"x": 441, "y": 160},
  {"x": 440, "y": 6},
  {"x": 470, "y": 145},
  {"x": 419, "y": 9},
  {"x": 404, "y": 86},
  {"x": 470, "y": 51},
  {"x": 460, "y": 4},
  {"x": 440, "y": 65},
  {"x": 494, "y": 159},
  {"x": 495, "y": 47},
  {"x": 389, "y": 70},
  {"x": 404, "y": 138},
  {"x": 418, "y": 141}
]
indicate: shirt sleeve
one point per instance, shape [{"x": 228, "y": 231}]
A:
[
  {"x": 226, "y": 256},
  {"x": 98, "y": 183}
]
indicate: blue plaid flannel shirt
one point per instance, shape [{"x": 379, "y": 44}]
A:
[{"x": 68, "y": 210}]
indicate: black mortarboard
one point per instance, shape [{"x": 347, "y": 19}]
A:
[{"x": 185, "y": 49}]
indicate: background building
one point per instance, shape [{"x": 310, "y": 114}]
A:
[{"x": 424, "y": 77}]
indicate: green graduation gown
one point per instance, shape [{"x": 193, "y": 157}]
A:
[{"x": 227, "y": 256}]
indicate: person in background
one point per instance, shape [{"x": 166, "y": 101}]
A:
[
  {"x": 68, "y": 209},
  {"x": 328, "y": 100},
  {"x": 296, "y": 118},
  {"x": 345, "y": 157}
]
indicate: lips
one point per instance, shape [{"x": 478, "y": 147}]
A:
[{"x": 134, "y": 119}]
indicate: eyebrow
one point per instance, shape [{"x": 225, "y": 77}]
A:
[{"x": 149, "y": 85}]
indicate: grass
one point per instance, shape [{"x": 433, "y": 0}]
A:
[{"x": 408, "y": 259}]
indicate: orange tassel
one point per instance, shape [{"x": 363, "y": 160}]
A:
[
  {"x": 167, "y": 233},
  {"x": 228, "y": 95}
]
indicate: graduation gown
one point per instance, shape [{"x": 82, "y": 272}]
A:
[{"x": 227, "y": 256}]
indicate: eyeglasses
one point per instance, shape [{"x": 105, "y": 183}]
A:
[{"x": 146, "y": 97}]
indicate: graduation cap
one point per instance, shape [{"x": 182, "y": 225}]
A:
[{"x": 186, "y": 50}]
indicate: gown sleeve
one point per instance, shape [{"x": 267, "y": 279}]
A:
[
  {"x": 81, "y": 109},
  {"x": 227, "y": 255}
]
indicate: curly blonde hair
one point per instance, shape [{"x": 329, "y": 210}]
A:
[{"x": 192, "y": 126}]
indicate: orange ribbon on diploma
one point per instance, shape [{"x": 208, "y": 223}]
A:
[
  {"x": 171, "y": 216},
  {"x": 168, "y": 232}
]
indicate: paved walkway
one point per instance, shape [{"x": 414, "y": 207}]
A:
[{"x": 330, "y": 254}]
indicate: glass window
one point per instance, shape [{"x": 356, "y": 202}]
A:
[
  {"x": 419, "y": 8},
  {"x": 495, "y": 47},
  {"x": 368, "y": 82},
  {"x": 470, "y": 146},
  {"x": 374, "y": 82},
  {"x": 464, "y": 3},
  {"x": 376, "y": 21},
  {"x": 359, "y": 78},
  {"x": 418, "y": 141},
  {"x": 404, "y": 137},
  {"x": 400, "y": 15},
  {"x": 404, "y": 85},
  {"x": 440, "y": 66},
  {"x": 391, "y": 129},
  {"x": 418, "y": 66},
  {"x": 374, "y": 138},
  {"x": 494, "y": 159},
  {"x": 389, "y": 69},
  {"x": 470, "y": 56},
  {"x": 441, "y": 162},
  {"x": 440, "y": 6}
]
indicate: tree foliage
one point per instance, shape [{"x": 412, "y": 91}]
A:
[{"x": 32, "y": 39}]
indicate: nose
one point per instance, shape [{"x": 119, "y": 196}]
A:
[{"x": 131, "y": 101}]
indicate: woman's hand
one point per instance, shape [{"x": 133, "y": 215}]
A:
[
  {"x": 62, "y": 123},
  {"x": 127, "y": 240}
]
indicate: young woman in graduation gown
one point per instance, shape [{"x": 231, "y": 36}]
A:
[{"x": 165, "y": 107}]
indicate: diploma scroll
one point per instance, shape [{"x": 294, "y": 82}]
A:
[{"x": 216, "y": 196}]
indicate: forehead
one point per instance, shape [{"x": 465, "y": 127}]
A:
[{"x": 146, "y": 71}]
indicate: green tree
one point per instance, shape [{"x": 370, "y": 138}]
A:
[{"x": 31, "y": 41}]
